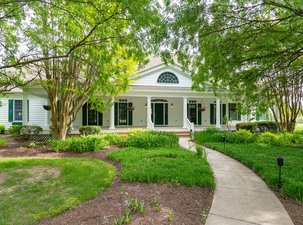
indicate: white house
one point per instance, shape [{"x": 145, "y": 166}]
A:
[{"x": 160, "y": 96}]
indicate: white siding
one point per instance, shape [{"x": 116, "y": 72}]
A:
[
  {"x": 4, "y": 113},
  {"x": 37, "y": 114},
  {"x": 150, "y": 79}
]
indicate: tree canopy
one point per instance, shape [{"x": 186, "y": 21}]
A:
[
  {"x": 78, "y": 51},
  {"x": 245, "y": 46}
]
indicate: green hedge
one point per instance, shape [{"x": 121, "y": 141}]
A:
[
  {"x": 245, "y": 136},
  {"x": 87, "y": 130},
  {"x": 151, "y": 139},
  {"x": 261, "y": 126},
  {"x": 2, "y": 129}
]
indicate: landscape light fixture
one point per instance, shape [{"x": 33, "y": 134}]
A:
[
  {"x": 280, "y": 162},
  {"x": 224, "y": 139}
]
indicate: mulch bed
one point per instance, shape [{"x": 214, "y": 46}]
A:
[{"x": 188, "y": 205}]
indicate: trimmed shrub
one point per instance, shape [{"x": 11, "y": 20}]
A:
[
  {"x": 208, "y": 136},
  {"x": 261, "y": 126},
  {"x": 151, "y": 139},
  {"x": 92, "y": 143},
  {"x": 15, "y": 130},
  {"x": 87, "y": 130},
  {"x": 27, "y": 131},
  {"x": 252, "y": 127},
  {"x": 291, "y": 138},
  {"x": 267, "y": 126},
  {"x": 2, "y": 129},
  {"x": 212, "y": 130}
]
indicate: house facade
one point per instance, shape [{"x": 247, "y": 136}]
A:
[{"x": 160, "y": 96}]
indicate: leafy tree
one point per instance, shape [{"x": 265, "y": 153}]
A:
[
  {"x": 246, "y": 46},
  {"x": 80, "y": 50}
]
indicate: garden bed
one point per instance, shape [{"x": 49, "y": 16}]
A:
[{"x": 187, "y": 205}]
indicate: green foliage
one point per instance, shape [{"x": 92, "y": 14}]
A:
[
  {"x": 62, "y": 184},
  {"x": 261, "y": 126},
  {"x": 114, "y": 138},
  {"x": 27, "y": 131},
  {"x": 163, "y": 165},
  {"x": 155, "y": 202},
  {"x": 200, "y": 151},
  {"x": 15, "y": 130},
  {"x": 136, "y": 206},
  {"x": 251, "y": 126},
  {"x": 268, "y": 138},
  {"x": 125, "y": 219},
  {"x": 87, "y": 130},
  {"x": 3, "y": 142},
  {"x": 2, "y": 129},
  {"x": 170, "y": 216},
  {"x": 151, "y": 139},
  {"x": 240, "y": 136},
  {"x": 262, "y": 159},
  {"x": 32, "y": 145},
  {"x": 82, "y": 144}
]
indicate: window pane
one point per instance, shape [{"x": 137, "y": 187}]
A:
[{"x": 18, "y": 110}]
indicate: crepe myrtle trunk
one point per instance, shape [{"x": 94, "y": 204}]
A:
[{"x": 61, "y": 118}]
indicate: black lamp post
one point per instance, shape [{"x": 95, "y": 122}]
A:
[
  {"x": 224, "y": 139},
  {"x": 280, "y": 162}
]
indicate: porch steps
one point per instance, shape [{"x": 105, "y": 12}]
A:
[{"x": 183, "y": 133}]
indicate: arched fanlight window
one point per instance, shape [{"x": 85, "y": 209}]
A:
[{"x": 168, "y": 77}]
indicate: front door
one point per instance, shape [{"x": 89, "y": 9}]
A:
[
  {"x": 122, "y": 113},
  {"x": 192, "y": 115},
  {"x": 92, "y": 117},
  {"x": 159, "y": 114}
]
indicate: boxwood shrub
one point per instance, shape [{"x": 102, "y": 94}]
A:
[
  {"x": 27, "y": 131},
  {"x": 14, "y": 130},
  {"x": 87, "y": 130},
  {"x": 2, "y": 129},
  {"x": 261, "y": 126},
  {"x": 151, "y": 139}
]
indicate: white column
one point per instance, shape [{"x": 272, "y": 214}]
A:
[
  {"x": 112, "y": 115},
  {"x": 148, "y": 112},
  {"x": 24, "y": 110},
  {"x": 218, "y": 113},
  {"x": 184, "y": 112}
]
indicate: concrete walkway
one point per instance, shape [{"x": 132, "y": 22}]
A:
[{"x": 241, "y": 197}]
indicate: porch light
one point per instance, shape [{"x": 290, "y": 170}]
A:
[
  {"x": 280, "y": 162},
  {"x": 172, "y": 105},
  {"x": 145, "y": 105}
]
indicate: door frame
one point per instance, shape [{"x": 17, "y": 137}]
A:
[{"x": 165, "y": 113}]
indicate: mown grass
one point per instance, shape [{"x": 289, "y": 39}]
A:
[
  {"x": 26, "y": 197},
  {"x": 262, "y": 159},
  {"x": 174, "y": 165}
]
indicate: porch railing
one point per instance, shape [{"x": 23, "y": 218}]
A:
[
  {"x": 190, "y": 126},
  {"x": 150, "y": 124}
]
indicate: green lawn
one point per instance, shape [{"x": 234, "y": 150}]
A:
[
  {"x": 262, "y": 159},
  {"x": 173, "y": 164},
  {"x": 31, "y": 189}
]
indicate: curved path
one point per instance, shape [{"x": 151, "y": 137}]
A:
[{"x": 241, "y": 197}]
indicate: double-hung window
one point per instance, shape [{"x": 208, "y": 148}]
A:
[{"x": 17, "y": 110}]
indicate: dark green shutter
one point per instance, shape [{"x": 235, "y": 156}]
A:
[
  {"x": 228, "y": 111},
  {"x": 130, "y": 114},
  {"x": 116, "y": 113},
  {"x": 239, "y": 116},
  {"x": 152, "y": 112},
  {"x": 84, "y": 114},
  {"x": 10, "y": 110},
  {"x": 199, "y": 115},
  {"x": 223, "y": 113},
  {"x": 212, "y": 116},
  {"x": 27, "y": 110},
  {"x": 100, "y": 119},
  {"x": 166, "y": 113},
  {"x": 188, "y": 111}
]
